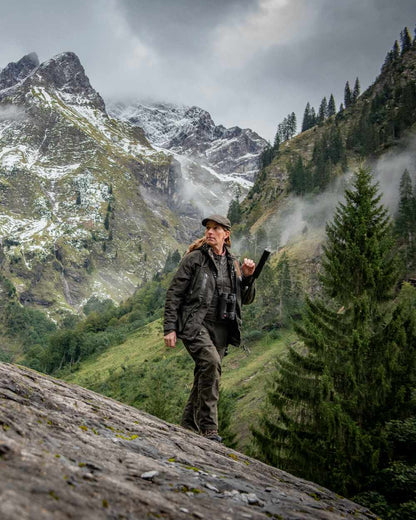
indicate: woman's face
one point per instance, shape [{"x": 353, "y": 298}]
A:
[{"x": 216, "y": 235}]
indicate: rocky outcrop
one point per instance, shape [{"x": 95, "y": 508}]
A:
[
  {"x": 191, "y": 132},
  {"x": 66, "y": 452},
  {"x": 13, "y": 73},
  {"x": 85, "y": 200},
  {"x": 65, "y": 73},
  {"x": 217, "y": 163}
]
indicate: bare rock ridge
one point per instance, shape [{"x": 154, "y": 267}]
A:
[
  {"x": 15, "y": 72},
  {"x": 66, "y": 452},
  {"x": 191, "y": 132},
  {"x": 63, "y": 72}
]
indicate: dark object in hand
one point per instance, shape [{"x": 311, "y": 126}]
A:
[{"x": 260, "y": 265}]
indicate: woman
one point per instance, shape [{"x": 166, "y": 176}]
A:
[{"x": 203, "y": 308}]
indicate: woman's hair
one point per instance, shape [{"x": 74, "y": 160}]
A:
[{"x": 199, "y": 242}]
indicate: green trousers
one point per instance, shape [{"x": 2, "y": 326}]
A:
[{"x": 207, "y": 351}]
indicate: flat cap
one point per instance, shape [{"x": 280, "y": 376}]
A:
[{"x": 219, "y": 219}]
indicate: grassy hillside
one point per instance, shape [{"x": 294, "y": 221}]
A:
[{"x": 143, "y": 373}]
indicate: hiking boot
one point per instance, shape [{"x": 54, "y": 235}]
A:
[
  {"x": 192, "y": 427},
  {"x": 212, "y": 435}
]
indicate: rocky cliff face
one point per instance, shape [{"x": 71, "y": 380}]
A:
[
  {"x": 66, "y": 452},
  {"x": 87, "y": 205},
  {"x": 217, "y": 162},
  {"x": 16, "y": 72}
]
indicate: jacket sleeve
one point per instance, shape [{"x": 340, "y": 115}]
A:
[
  {"x": 177, "y": 291},
  {"x": 248, "y": 290}
]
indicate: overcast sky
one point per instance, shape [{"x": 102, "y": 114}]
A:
[{"x": 248, "y": 62}]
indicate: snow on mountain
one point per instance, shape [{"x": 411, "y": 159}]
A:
[
  {"x": 217, "y": 162},
  {"x": 87, "y": 205},
  {"x": 92, "y": 203}
]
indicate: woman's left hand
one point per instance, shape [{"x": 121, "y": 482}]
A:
[{"x": 248, "y": 267}]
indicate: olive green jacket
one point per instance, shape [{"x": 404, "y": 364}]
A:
[{"x": 192, "y": 289}]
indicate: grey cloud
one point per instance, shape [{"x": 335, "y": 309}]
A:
[
  {"x": 325, "y": 43},
  {"x": 11, "y": 113},
  {"x": 181, "y": 27}
]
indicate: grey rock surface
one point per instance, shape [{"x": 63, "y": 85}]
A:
[
  {"x": 15, "y": 72},
  {"x": 191, "y": 132},
  {"x": 67, "y": 452}
]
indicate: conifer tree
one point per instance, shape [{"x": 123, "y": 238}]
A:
[
  {"x": 396, "y": 51},
  {"x": 356, "y": 91},
  {"x": 313, "y": 117},
  {"x": 284, "y": 290},
  {"x": 307, "y": 121},
  {"x": 234, "y": 211},
  {"x": 266, "y": 156},
  {"x": 347, "y": 95},
  {"x": 299, "y": 176},
  {"x": 405, "y": 222},
  {"x": 276, "y": 142},
  {"x": 287, "y": 128},
  {"x": 405, "y": 40},
  {"x": 323, "y": 110},
  {"x": 331, "y": 106},
  {"x": 292, "y": 124},
  {"x": 335, "y": 393}
]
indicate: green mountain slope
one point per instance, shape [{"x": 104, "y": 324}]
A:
[
  {"x": 87, "y": 203},
  {"x": 143, "y": 373},
  {"x": 381, "y": 120}
]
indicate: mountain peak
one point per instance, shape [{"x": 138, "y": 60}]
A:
[
  {"x": 15, "y": 72},
  {"x": 65, "y": 73}
]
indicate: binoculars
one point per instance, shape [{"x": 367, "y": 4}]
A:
[{"x": 226, "y": 306}]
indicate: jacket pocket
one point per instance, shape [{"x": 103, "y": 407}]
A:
[{"x": 184, "y": 317}]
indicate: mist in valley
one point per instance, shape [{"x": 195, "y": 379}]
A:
[{"x": 305, "y": 217}]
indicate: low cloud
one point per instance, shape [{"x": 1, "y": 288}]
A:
[
  {"x": 305, "y": 216},
  {"x": 11, "y": 113}
]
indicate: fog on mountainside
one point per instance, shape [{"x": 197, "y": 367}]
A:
[{"x": 302, "y": 215}]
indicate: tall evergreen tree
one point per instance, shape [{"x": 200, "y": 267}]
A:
[
  {"x": 328, "y": 151},
  {"x": 405, "y": 218},
  {"x": 292, "y": 124},
  {"x": 313, "y": 116},
  {"x": 331, "y": 106},
  {"x": 234, "y": 210},
  {"x": 299, "y": 176},
  {"x": 266, "y": 156},
  {"x": 335, "y": 393},
  {"x": 396, "y": 51},
  {"x": 284, "y": 290},
  {"x": 405, "y": 222},
  {"x": 306, "y": 122},
  {"x": 323, "y": 110},
  {"x": 287, "y": 128},
  {"x": 356, "y": 91},
  {"x": 405, "y": 40},
  {"x": 347, "y": 95},
  {"x": 276, "y": 142}
]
